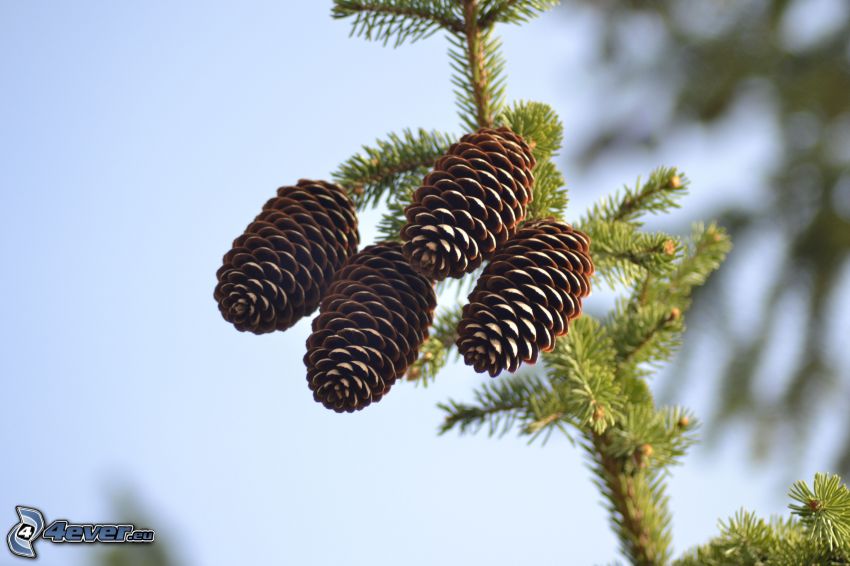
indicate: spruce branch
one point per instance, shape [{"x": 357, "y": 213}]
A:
[
  {"x": 498, "y": 406},
  {"x": 522, "y": 401},
  {"x": 594, "y": 380},
  {"x": 478, "y": 71},
  {"x": 512, "y": 11},
  {"x": 397, "y": 163},
  {"x": 581, "y": 370},
  {"x": 706, "y": 250},
  {"x": 632, "y": 455},
  {"x": 648, "y": 437},
  {"x": 475, "y": 61},
  {"x": 406, "y": 20},
  {"x": 538, "y": 124},
  {"x": 659, "y": 193},
  {"x": 623, "y": 255},
  {"x": 434, "y": 353},
  {"x": 631, "y": 459},
  {"x": 393, "y": 220},
  {"x": 637, "y": 502},
  {"x": 824, "y": 511},
  {"x": 818, "y": 532},
  {"x": 644, "y": 334},
  {"x": 745, "y": 539},
  {"x": 580, "y": 391},
  {"x": 647, "y": 327},
  {"x": 550, "y": 195}
]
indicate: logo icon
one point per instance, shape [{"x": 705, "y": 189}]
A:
[
  {"x": 22, "y": 537},
  {"x": 24, "y": 534}
]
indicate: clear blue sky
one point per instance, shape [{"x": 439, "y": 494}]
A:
[{"x": 137, "y": 139}]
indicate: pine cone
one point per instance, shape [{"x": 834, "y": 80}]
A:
[
  {"x": 278, "y": 269},
  {"x": 526, "y": 297},
  {"x": 470, "y": 204},
  {"x": 371, "y": 324}
]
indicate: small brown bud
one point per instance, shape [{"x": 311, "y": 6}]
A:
[
  {"x": 669, "y": 247},
  {"x": 814, "y": 504},
  {"x": 675, "y": 181},
  {"x": 413, "y": 373},
  {"x": 683, "y": 422},
  {"x": 675, "y": 314},
  {"x": 715, "y": 235},
  {"x": 598, "y": 413},
  {"x": 428, "y": 356},
  {"x": 642, "y": 455}
]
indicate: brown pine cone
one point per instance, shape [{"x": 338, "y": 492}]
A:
[
  {"x": 526, "y": 297},
  {"x": 278, "y": 269},
  {"x": 470, "y": 204},
  {"x": 371, "y": 323}
]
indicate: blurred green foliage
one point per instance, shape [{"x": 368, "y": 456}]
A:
[
  {"x": 158, "y": 553},
  {"x": 699, "y": 62}
]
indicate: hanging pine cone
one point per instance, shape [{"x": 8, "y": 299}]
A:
[
  {"x": 470, "y": 204},
  {"x": 278, "y": 269},
  {"x": 371, "y": 324},
  {"x": 526, "y": 297}
]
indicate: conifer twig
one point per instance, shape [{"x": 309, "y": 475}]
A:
[
  {"x": 640, "y": 543},
  {"x": 392, "y": 165},
  {"x": 410, "y": 12},
  {"x": 660, "y": 189},
  {"x": 488, "y": 18},
  {"x": 381, "y": 19},
  {"x": 626, "y": 355},
  {"x": 477, "y": 67},
  {"x": 512, "y": 11}
]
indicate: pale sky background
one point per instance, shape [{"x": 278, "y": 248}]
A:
[{"x": 137, "y": 139}]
